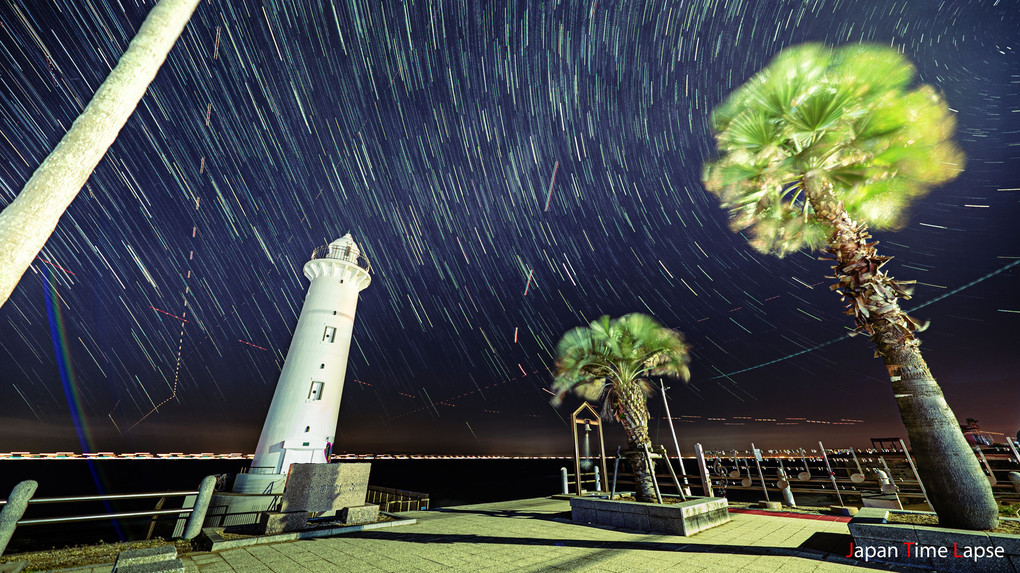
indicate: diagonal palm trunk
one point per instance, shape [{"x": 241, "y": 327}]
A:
[
  {"x": 27, "y": 223},
  {"x": 957, "y": 487},
  {"x": 633, "y": 415}
]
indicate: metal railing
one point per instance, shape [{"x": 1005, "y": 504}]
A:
[
  {"x": 396, "y": 500},
  {"x": 102, "y": 516},
  {"x": 187, "y": 524},
  {"x": 849, "y": 472},
  {"x": 568, "y": 480},
  {"x": 259, "y": 470},
  {"x": 342, "y": 253}
]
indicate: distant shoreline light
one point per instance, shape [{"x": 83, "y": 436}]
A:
[{"x": 248, "y": 456}]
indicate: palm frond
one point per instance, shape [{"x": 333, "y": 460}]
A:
[
  {"x": 847, "y": 116},
  {"x": 820, "y": 110},
  {"x": 751, "y": 131},
  {"x": 602, "y": 360}
]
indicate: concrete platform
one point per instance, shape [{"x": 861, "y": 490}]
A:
[
  {"x": 679, "y": 518},
  {"x": 538, "y": 535}
]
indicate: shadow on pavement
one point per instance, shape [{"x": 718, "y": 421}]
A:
[
  {"x": 809, "y": 550},
  {"x": 835, "y": 543},
  {"x": 511, "y": 514}
]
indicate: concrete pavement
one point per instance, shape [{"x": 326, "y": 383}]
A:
[{"x": 537, "y": 535}]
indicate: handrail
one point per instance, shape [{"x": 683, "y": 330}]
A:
[
  {"x": 21, "y": 496},
  {"x": 107, "y": 497},
  {"x": 346, "y": 254},
  {"x": 259, "y": 470},
  {"x": 101, "y": 516}
]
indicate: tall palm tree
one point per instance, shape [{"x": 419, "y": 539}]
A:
[
  {"x": 611, "y": 360},
  {"x": 813, "y": 150},
  {"x": 27, "y": 223}
]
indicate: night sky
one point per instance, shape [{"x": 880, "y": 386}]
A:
[{"x": 512, "y": 171}]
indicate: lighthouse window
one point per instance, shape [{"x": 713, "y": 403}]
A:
[
  {"x": 330, "y": 334},
  {"x": 315, "y": 392}
]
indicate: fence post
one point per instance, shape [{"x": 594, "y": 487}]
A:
[
  {"x": 706, "y": 480},
  {"x": 598, "y": 480},
  {"x": 14, "y": 509},
  {"x": 917, "y": 476},
  {"x": 197, "y": 517},
  {"x": 832, "y": 474},
  {"x": 566, "y": 482},
  {"x": 757, "y": 462}
]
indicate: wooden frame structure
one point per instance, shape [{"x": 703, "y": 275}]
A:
[{"x": 586, "y": 408}]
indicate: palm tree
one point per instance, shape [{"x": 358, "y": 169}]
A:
[
  {"x": 27, "y": 223},
  {"x": 814, "y": 149},
  {"x": 611, "y": 360}
]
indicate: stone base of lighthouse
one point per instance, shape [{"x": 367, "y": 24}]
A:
[
  {"x": 319, "y": 490},
  {"x": 266, "y": 481}
]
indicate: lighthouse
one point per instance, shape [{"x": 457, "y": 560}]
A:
[{"x": 301, "y": 424}]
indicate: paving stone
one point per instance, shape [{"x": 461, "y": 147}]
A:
[
  {"x": 147, "y": 555},
  {"x": 273, "y": 522},
  {"x": 166, "y": 566},
  {"x": 523, "y": 535}
]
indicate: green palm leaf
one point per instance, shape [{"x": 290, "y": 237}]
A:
[
  {"x": 751, "y": 132},
  {"x": 820, "y": 110},
  {"x": 844, "y": 118},
  {"x": 604, "y": 359}
]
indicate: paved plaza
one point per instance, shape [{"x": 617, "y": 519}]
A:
[{"x": 537, "y": 535}]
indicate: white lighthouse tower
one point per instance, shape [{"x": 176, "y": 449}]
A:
[{"x": 301, "y": 424}]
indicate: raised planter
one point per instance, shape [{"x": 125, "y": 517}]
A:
[
  {"x": 684, "y": 518},
  {"x": 928, "y": 547}
]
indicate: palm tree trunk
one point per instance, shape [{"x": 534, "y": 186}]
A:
[
  {"x": 957, "y": 487},
  {"x": 633, "y": 415},
  {"x": 27, "y": 223}
]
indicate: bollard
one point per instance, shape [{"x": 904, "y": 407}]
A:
[
  {"x": 1014, "y": 478},
  {"x": 197, "y": 517},
  {"x": 784, "y": 487},
  {"x": 566, "y": 481},
  {"x": 598, "y": 479},
  {"x": 14, "y": 509}
]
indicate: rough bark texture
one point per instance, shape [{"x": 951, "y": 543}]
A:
[
  {"x": 956, "y": 486},
  {"x": 633, "y": 415},
  {"x": 27, "y": 223}
]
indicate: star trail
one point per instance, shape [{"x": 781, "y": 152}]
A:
[{"x": 512, "y": 170}]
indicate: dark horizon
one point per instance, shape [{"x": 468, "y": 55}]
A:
[{"x": 438, "y": 138}]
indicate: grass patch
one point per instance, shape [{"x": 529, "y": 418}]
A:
[
  {"x": 1007, "y": 527},
  {"x": 83, "y": 555}
]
